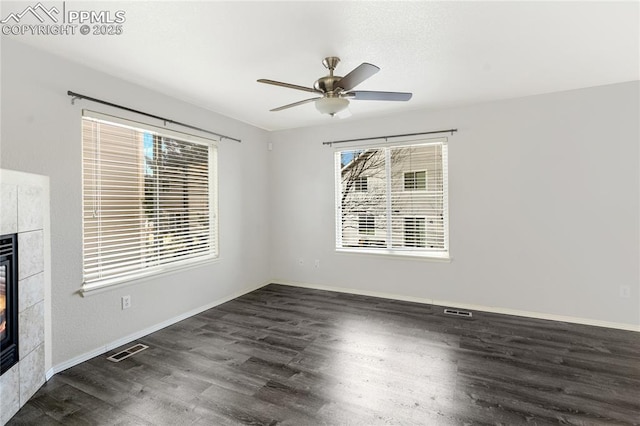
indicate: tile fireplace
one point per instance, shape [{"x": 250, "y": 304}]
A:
[{"x": 25, "y": 282}]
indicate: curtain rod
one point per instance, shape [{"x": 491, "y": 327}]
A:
[
  {"x": 452, "y": 131},
  {"x": 75, "y": 96}
]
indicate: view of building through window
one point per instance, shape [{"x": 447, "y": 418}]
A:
[
  {"x": 146, "y": 198},
  {"x": 403, "y": 205}
]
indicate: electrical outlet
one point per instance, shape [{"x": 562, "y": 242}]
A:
[
  {"x": 126, "y": 302},
  {"x": 625, "y": 291},
  {"x": 317, "y": 263}
]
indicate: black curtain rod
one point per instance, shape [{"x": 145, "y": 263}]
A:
[
  {"x": 452, "y": 131},
  {"x": 166, "y": 120}
]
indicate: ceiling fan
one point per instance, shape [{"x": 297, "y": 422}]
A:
[{"x": 336, "y": 91}]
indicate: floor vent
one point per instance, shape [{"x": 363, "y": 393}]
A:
[
  {"x": 458, "y": 312},
  {"x": 127, "y": 352}
]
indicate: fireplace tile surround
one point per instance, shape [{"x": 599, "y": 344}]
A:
[{"x": 24, "y": 200}]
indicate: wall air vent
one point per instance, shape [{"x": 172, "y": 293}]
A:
[
  {"x": 127, "y": 352},
  {"x": 458, "y": 312}
]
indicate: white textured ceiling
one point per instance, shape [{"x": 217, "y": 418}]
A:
[{"x": 446, "y": 53}]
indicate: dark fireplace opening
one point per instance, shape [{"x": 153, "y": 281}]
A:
[{"x": 8, "y": 302}]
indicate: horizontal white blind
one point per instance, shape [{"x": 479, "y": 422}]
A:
[
  {"x": 403, "y": 206},
  {"x": 148, "y": 200}
]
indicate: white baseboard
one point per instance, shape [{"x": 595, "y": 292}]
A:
[
  {"x": 471, "y": 307},
  {"x": 498, "y": 310},
  {"x": 139, "y": 334}
]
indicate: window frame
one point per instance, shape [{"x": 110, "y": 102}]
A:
[
  {"x": 369, "y": 222},
  {"x": 415, "y": 181},
  {"x": 361, "y": 184},
  {"x": 444, "y": 254},
  {"x": 163, "y": 268},
  {"x": 416, "y": 220}
]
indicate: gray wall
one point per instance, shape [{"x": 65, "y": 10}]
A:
[
  {"x": 544, "y": 204},
  {"x": 543, "y": 207},
  {"x": 41, "y": 134}
]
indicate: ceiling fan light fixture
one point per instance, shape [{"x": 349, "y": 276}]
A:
[{"x": 331, "y": 105}]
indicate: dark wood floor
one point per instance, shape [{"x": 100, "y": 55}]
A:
[{"x": 291, "y": 356}]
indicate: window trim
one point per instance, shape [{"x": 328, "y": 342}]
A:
[
  {"x": 175, "y": 267},
  {"x": 163, "y": 269},
  {"x": 398, "y": 252}
]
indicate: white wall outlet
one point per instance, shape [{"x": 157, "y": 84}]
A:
[
  {"x": 126, "y": 302},
  {"x": 625, "y": 291},
  {"x": 300, "y": 262},
  {"x": 316, "y": 264}
]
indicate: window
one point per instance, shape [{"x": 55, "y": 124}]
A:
[
  {"x": 415, "y": 181},
  {"x": 360, "y": 184},
  {"x": 405, "y": 212},
  {"x": 149, "y": 200},
  {"x": 366, "y": 224},
  {"x": 414, "y": 232}
]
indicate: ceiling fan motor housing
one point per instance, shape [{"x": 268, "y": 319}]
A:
[{"x": 327, "y": 85}]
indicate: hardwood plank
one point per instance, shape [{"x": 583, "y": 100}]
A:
[{"x": 294, "y": 356}]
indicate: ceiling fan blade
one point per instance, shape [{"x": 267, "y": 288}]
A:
[
  {"x": 289, "y": 85},
  {"x": 357, "y": 76},
  {"x": 306, "y": 101},
  {"x": 365, "y": 95}
]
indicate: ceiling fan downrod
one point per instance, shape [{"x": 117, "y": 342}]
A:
[{"x": 327, "y": 84}]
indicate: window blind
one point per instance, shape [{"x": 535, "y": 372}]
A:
[
  {"x": 404, "y": 202},
  {"x": 148, "y": 200}
]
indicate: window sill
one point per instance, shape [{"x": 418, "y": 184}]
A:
[
  {"x": 142, "y": 276},
  {"x": 398, "y": 254}
]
